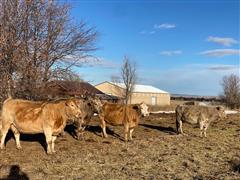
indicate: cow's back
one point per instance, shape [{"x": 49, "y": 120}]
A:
[
  {"x": 113, "y": 113},
  {"x": 192, "y": 114},
  {"x": 19, "y": 108},
  {"x": 118, "y": 114},
  {"x": 188, "y": 113},
  {"x": 23, "y": 114}
]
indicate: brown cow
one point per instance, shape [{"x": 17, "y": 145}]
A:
[
  {"x": 31, "y": 117},
  {"x": 118, "y": 114},
  {"x": 201, "y": 115},
  {"x": 89, "y": 107}
]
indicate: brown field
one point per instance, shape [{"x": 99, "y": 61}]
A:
[{"x": 155, "y": 153}]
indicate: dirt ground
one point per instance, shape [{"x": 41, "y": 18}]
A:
[{"x": 155, "y": 153}]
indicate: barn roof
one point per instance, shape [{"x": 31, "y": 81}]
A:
[
  {"x": 60, "y": 88},
  {"x": 142, "y": 88},
  {"x": 70, "y": 88}
]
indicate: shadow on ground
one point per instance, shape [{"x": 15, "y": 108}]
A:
[
  {"x": 168, "y": 129},
  {"x": 16, "y": 173},
  {"x": 29, "y": 138}
]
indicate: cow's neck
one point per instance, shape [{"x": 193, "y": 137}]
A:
[{"x": 62, "y": 110}]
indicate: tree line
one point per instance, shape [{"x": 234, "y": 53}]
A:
[{"x": 38, "y": 43}]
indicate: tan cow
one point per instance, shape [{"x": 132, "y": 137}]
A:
[
  {"x": 118, "y": 114},
  {"x": 201, "y": 115},
  {"x": 31, "y": 117}
]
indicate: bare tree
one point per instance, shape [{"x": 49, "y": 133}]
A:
[
  {"x": 231, "y": 90},
  {"x": 36, "y": 38},
  {"x": 65, "y": 75},
  {"x": 129, "y": 77}
]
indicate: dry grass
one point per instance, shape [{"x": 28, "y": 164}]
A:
[{"x": 156, "y": 153}]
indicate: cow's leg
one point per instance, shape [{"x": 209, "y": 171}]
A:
[
  {"x": 201, "y": 126},
  {"x": 130, "y": 133},
  {"x": 79, "y": 133},
  {"x": 126, "y": 131},
  {"x": 48, "y": 136},
  {"x": 180, "y": 127},
  {"x": 177, "y": 125},
  {"x": 80, "y": 129},
  {"x": 4, "y": 130},
  {"x": 17, "y": 136},
  {"x": 104, "y": 129},
  {"x": 103, "y": 125},
  {"x": 62, "y": 134},
  {"x": 205, "y": 129},
  {"x": 53, "y": 142}
]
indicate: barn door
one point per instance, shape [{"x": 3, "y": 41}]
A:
[{"x": 154, "y": 100}]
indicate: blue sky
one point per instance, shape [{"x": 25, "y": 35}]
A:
[{"x": 183, "y": 47}]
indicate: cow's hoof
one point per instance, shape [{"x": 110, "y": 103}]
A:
[
  {"x": 49, "y": 152},
  {"x": 80, "y": 138},
  {"x": 19, "y": 147},
  {"x": 182, "y": 134}
]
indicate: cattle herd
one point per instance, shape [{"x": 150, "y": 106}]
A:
[{"x": 51, "y": 117}]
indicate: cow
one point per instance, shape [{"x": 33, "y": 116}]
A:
[
  {"x": 89, "y": 108},
  {"x": 31, "y": 117},
  {"x": 201, "y": 115},
  {"x": 119, "y": 114}
]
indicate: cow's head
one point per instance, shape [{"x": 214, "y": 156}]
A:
[
  {"x": 73, "y": 109},
  {"x": 95, "y": 104},
  {"x": 221, "y": 112},
  {"x": 144, "y": 109}
]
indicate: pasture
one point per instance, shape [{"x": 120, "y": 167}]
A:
[{"x": 156, "y": 152}]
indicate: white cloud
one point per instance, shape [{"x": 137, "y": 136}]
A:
[
  {"x": 152, "y": 32},
  {"x": 164, "y": 26},
  {"x": 89, "y": 61},
  {"x": 221, "y": 52},
  {"x": 223, "y": 41},
  {"x": 223, "y": 67},
  {"x": 156, "y": 27},
  {"x": 147, "y": 32},
  {"x": 171, "y": 53},
  {"x": 192, "y": 79}
]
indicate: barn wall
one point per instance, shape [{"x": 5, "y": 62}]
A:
[{"x": 161, "y": 99}]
